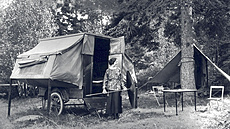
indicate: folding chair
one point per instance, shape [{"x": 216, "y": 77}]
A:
[
  {"x": 157, "y": 91},
  {"x": 215, "y": 97},
  {"x": 94, "y": 104}
]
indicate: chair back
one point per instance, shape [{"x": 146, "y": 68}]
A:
[{"x": 217, "y": 87}]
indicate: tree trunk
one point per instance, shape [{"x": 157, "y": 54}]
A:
[{"x": 187, "y": 77}]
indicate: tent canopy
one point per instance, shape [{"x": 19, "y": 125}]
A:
[
  {"x": 171, "y": 72},
  {"x": 54, "y": 58}
]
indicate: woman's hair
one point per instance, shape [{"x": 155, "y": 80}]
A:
[{"x": 112, "y": 60}]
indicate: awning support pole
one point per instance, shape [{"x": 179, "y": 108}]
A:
[
  {"x": 49, "y": 99},
  {"x": 207, "y": 73},
  {"x": 9, "y": 98}
]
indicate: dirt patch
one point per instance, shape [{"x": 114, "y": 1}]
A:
[{"x": 27, "y": 113}]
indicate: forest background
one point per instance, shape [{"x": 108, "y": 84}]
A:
[{"x": 152, "y": 29}]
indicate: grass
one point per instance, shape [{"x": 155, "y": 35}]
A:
[{"x": 27, "y": 113}]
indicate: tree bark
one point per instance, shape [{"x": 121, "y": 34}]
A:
[{"x": 187, "y": 77}]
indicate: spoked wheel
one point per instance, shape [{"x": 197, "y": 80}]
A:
[{"x": 56, "y": 105}]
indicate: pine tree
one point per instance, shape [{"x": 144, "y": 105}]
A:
[{"x": 187, "y": 78}]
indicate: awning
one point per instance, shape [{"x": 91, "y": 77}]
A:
[{"x": 171, "y": 72}]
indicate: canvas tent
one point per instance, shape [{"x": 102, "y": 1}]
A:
[
  {"x": 74, "y": 60},
  {"x": 171, "y": 72}
]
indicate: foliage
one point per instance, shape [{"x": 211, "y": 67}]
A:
[
  {"x": 152, "y": 29},
  {"x": 143, "y": 24},
  {"x": 23, "y": 22},
  {"x": 82, "y": 16},
  {"x": 212, "y": 32},
  {"x": 142, "y": 21}
]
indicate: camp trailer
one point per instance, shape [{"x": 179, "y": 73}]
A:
[{"x": 73, "y": 67}]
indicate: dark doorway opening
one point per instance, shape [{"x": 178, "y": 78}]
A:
[{"x": 100, "y": 63}]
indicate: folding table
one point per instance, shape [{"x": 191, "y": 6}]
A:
[{"x": 181, "y": 91}]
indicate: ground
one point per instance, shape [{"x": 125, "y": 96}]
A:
[{"x": 26, "y": 113}]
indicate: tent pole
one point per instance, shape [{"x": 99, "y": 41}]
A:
[
  {"x": 9, "y": 97},
  {"x": 49, "y": 93},
  {"x": 207, "y": 72},
  {"x": 135, "y": 98}
]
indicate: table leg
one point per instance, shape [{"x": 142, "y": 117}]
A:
[
  {"x": 195, "y": 99},
  {"x": 182, "y": 103},
  {"x": 164, "y": 100},
  {"x": 176, "y": 102}
]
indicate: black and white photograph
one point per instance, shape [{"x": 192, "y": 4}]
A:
[{"x": 114, "y": 64}]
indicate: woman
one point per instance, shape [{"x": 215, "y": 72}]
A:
[{"x": 113, "y": 84}]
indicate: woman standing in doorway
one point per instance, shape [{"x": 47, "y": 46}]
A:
[{"x": 113, "y": 84}]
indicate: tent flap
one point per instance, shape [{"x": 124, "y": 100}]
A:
[
  {"x": 88, "y": 45},
  {"x": 171, "y": 72},
  {"x": 128, "y": 66},
  {"x": 67, "y": 67},
  {"x": 220, "y": 70},
  {"x": 117, "y": 45},
  {"x": 27, "y": 63}
]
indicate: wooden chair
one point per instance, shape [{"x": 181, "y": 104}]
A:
[{"x": 214, "y": 97}]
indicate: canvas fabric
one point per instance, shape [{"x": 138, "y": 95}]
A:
[
  {"x": 67, "y": 67},
  {"x": 171, "y": 72},
  {"x": 88, "y": 45},
  {"x": 117, "y": 45},
  {"x": 39, "y": 62},
  {"x": 53, "y": 45}
]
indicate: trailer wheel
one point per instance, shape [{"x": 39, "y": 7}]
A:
[{"x": 56, "y": 105}]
